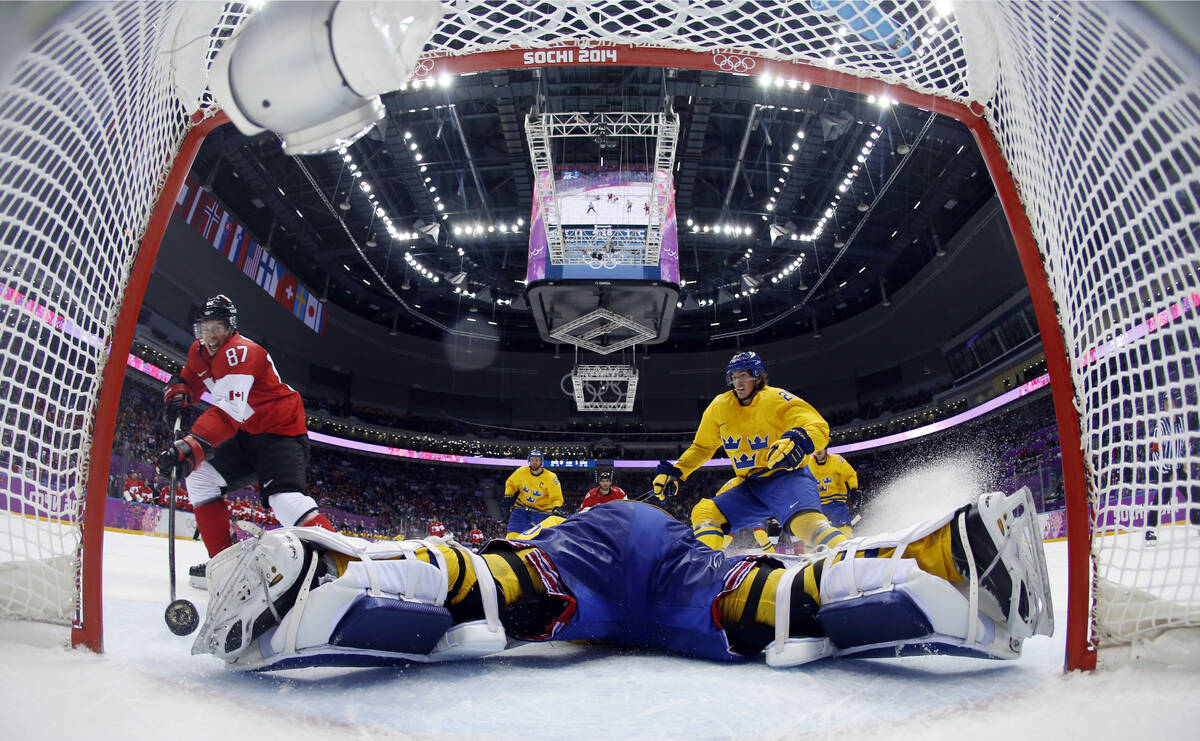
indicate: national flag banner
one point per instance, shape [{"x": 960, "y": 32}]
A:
[
  {"x": 221, "y": 236},
  {"x": 286, "y": 292},
  {"x": 254, "y": 253},
  {"x": 314, "y": 315},
  {"x": 191, "y": 214},
  {"x": 185, "y": 198},
  {"x": 237, "y": 245},
  {"x": 268, "y": 273},
  {"x": 210, "y": 218},
  {"x": 299, "y": 302}
]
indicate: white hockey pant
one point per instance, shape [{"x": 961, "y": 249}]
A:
[{"x": 205, "y": 483}]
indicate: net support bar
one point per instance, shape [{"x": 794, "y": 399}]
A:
[{"x": 87, "y": 631}]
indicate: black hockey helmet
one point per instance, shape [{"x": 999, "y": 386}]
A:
[
  {"x": 217, "y": 307},
  {"x": 604, "y": 475}
]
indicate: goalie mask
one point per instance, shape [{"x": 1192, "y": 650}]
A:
[{"x": 257, "y": 583}]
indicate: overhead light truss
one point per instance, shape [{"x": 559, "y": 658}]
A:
[
  {"x": 603, "y": 332},
  {"x": 604, "y": 388}
]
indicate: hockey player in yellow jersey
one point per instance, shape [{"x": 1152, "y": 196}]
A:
[
  {"x": 766, "y": 432},
  {"x": 766, "y": 533},
  {"x": 835, "y": 480},
  {"x": 532, "y": 492}
]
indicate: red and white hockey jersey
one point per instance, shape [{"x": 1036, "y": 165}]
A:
[
  {"x": 182, "y": 501},
  {"x": 137, "y": 490},
  {"x": 437, "y": 529},
  {"x": 596, "y": 496},
  {"x": 247, "y": 393}
]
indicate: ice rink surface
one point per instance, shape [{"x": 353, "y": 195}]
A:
[{"x": 148, "y": 686}]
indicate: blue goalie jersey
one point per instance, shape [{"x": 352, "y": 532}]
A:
[{"x": 630, "y": 574}]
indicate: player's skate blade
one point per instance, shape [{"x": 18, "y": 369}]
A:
[{"x": 196, "y": 576}]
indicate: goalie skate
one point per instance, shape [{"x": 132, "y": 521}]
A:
[{"x": 1004, "y": 564}]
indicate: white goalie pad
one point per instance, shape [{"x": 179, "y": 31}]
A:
[
  {"x": 865, "y": 603},
  {"x": 268, "y": 610},
  {"x": 964, "y": 616}
]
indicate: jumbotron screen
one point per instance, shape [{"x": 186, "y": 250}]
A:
[{"x": 604, "y": 213}]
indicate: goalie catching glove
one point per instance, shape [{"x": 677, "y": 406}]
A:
[
  {"x": 666, "y": 480},
  {"x": 176, "y": 396},
  {"x": 184, "y": 455},
  {"x": 789, "y": 451}
]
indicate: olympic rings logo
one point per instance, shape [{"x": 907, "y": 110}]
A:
[
  {"x": 734, "y": 63},
  {"x": 423, "y": 68}
]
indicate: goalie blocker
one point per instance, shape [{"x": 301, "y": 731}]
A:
[{"x": 972, "y": 582}]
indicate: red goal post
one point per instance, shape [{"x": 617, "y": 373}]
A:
[{"x": 1085, "y": 117}]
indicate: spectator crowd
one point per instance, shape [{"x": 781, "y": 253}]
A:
[{"x": 384, "y": 497}]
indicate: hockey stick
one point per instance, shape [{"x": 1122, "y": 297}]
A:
[
  {"x": 181, "y": 615},
  {"x": 645, "y": 497}
]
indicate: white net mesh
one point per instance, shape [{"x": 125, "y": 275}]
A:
[
  {"x": 1097, "y": 124},
  {"x": 1100, "y": 132},
  {"x": 89, "y": 126},
  {"x": 906, "y": 43}
]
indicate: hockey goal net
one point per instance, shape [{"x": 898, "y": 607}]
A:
[{"x": 1086, "y": 115}]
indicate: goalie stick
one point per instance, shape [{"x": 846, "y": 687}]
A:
[{"x": 181, "y": 615}]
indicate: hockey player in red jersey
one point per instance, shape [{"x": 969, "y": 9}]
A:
[
  {"x": 254, "y": 432},
  {"x": 182, "y": 500},
  {"x": 137, "y": 490},
  {"x": 437, "y": 529},
  {"x": 476, "y": 539},
  {"x": 603, "y": 492}
]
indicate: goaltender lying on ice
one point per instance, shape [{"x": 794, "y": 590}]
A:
[{"x": 972, "y": 582}]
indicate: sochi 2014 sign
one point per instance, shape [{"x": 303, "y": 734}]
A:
[{"x": 544, "y": 57}]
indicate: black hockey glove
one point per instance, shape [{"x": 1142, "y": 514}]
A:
[
  {"x": 176, "y": 396},
  {"x": 184, "y": 455},
  {"x": 666, "y": 480},
  {"x": 789, "y": 451}
]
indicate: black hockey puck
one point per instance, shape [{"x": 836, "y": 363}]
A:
[{"x": 182, "y": 617}]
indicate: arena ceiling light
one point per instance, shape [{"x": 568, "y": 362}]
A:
[{"x": 313, "y": 72}]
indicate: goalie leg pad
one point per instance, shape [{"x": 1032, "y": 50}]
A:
[
  {"x": 892, "y": 607},
  {"x": 277, "y": 605},
  {"x": 392, "y": 626},
  {"x": 341, "y": 625}
]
